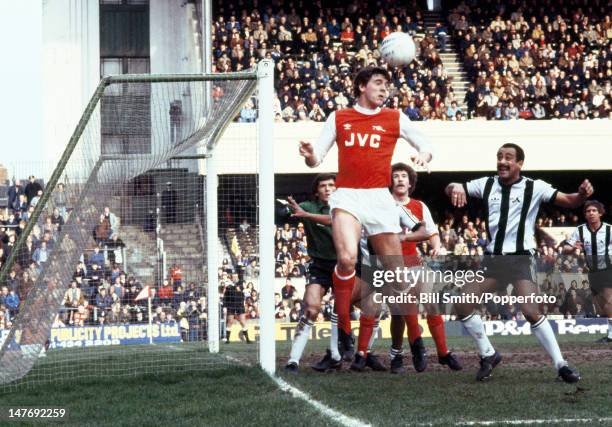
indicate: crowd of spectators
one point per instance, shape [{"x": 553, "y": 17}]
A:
[
  {"x": 534, "y": 59},
  {"x": 317, "y": 51},
  {"x": 98, "y": 297},
  {"x": 100, "y": 291},
  {"x": 525, "y": 60}
]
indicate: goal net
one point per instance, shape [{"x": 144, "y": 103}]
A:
[{"x": 122, "y": 261}]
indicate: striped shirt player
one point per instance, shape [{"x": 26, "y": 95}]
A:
[
  {"x": 597, "y": 246},
  {"x": 511, "y": 204},
  {"x": 595, "y": 238},
  {"x": 510, "y": 216}
]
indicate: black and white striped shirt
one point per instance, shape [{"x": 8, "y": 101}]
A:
[
  {"x": 511, "y": 211},
  {"x": 597, "y": 245}
]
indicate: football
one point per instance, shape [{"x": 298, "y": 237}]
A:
[{"x": 398, "y": 49}]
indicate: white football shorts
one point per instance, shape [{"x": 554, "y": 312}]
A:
[{"x": 374, "y": 208}]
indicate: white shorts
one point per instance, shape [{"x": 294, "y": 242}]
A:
[{"x": 374, "y": 208}]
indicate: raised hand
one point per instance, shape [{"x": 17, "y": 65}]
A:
[{"x": 586, "y": 189}]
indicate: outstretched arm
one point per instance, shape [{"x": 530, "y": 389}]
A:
[
  {"x": 574, "y": 200},
  {"x": 417, "y": 235},
  {"x": 298, "y": 212},
  {"x": 569, "y": 249}
]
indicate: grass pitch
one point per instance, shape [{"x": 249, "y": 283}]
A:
[
  {"x": 185, "y": 385},
  {"x": 523, "y": 387}
]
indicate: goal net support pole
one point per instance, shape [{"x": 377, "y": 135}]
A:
[
  {"x": 267, "y": 344},
  {"x": 212, "y": 242}
]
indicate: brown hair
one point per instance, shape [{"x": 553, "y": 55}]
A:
[
  {"x": 364, "y": 75},
  {"x": 320, "y": 178},
  {"x": 597, "y": 204},
  {"x": 412, "y": 175}
]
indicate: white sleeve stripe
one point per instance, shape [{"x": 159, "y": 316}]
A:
[{"x": 408, "y": 219}]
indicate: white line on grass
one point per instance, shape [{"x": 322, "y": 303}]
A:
[
  {"x": 336, "y": 416},
  {"x": 339, "y": 417}
]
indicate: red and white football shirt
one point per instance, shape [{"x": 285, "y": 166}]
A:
[
  {"x": 422, "y": 213},
  {"x": 366, "y": 140}
]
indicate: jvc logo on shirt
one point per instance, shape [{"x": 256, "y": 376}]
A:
[{"x": 363, "y": 140}]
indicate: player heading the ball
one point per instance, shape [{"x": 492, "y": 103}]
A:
[{"x": 365, "y": 136}]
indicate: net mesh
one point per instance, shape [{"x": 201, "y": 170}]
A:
[{"x": 115, "y": 197}]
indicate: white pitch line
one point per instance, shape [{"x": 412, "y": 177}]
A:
[
  {"x": 354, "y": 422},
  {"x": 334, "y": 415},
  {"x": 337, "y": 416}
]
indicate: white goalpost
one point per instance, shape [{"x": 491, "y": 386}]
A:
[
  {"x": 267, "y": 344},
  {"x": 265, "y": 75}
]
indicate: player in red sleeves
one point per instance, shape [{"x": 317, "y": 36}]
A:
[
  {"x": 365, "y": 136},
  {"x": 404, "y": 180}
]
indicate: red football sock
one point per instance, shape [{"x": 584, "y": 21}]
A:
[
  {"x": 414, "y": 330},
  {"x": 366, "y": 326},
  {"x": 343, "y": 290},
  {"x": 436, "y": 327}
]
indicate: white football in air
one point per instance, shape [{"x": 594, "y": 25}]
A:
[{"x": 398, "y": 49}]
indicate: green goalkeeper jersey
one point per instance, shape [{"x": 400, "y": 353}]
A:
[{"x": 320, "y": 243}]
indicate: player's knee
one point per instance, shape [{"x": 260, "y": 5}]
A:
[
  {"x": 346, "y": 262},
  {"x": 532, "y": 317},
  {"x": 464, "y": 311},
  {"x": 463, "y": 315},
  {"x": 531, "y": 312}
]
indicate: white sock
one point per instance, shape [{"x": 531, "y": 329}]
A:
[
  {"x": 544, "y": 333},
  {"x": 333, "y": 343},
  {"x": 299, "y": 340},
  {"x": 473, "y": 324},
  {"x": 395, "y": 352},
  {"x": 374, "y": 335},
  {"x": 610, "y": 327}
]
